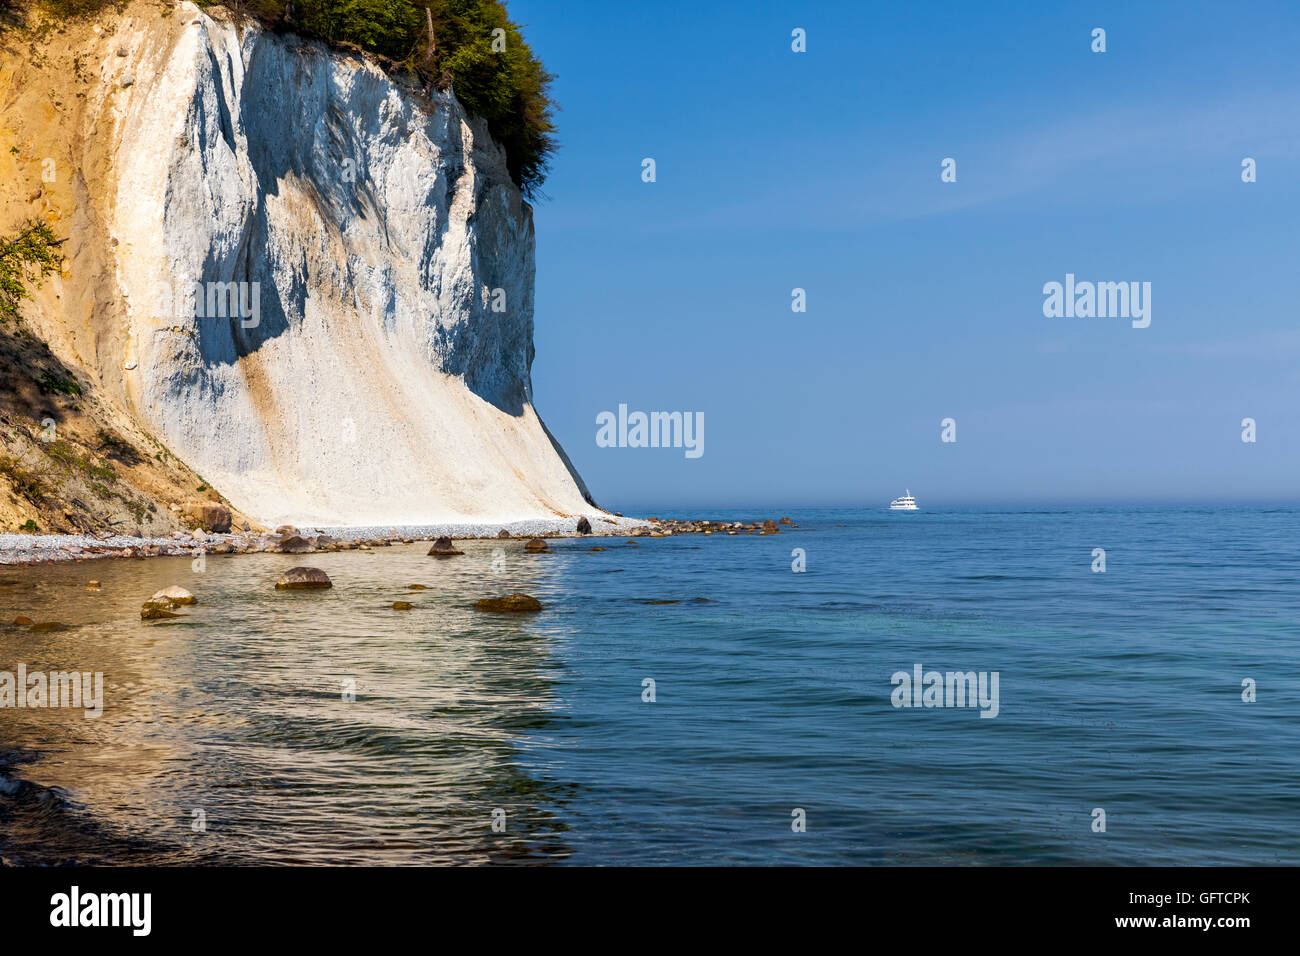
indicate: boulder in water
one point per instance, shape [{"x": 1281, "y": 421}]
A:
[
  {"x": 536, "y": 545},
  {"x": 769, "y": 526},
  {"x": 443, "y": 548},
  {"x": 510, "y": 604},
  {"x": 402, "y": 606},
  {"x": 172, "y": 596},
  {"x": 302, "y": 579}
]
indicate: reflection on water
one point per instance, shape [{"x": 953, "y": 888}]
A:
[
  {"x": 238, "y": 710},
  {"x": 1120, "y": 690}
]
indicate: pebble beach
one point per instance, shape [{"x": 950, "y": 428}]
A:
[{"x": 28, "y": 549}]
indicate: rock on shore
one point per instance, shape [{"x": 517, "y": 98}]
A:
[{"x": 40, "y": 549}]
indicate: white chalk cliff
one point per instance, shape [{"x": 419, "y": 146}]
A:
[{"x": 387, "y": 378}]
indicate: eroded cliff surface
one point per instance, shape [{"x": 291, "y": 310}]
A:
[{"x": 309, "y": 280}]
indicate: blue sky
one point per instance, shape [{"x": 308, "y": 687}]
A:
[{"x": 821, "y": 170}]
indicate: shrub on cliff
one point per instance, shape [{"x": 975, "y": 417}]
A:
[
  {"x": 476, "y": 48},
  {"x": 28, "y": 256}
]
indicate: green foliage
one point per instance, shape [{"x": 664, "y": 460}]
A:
[
  {"x": 70, "y": 458},
  {"x": 29, "y": 527},
  {"x": 30, "y": 255},
  {"x": 52, "y": 384},
  {"x": 61, "y": 452},
  {"x": 25, "y": 482},
  {"x": 77, "y": 8},
  {"x": 115, "y": 446},
  {"x": 12, "y": 11},
  {"x": 136, "y": 509},
  {"x": 507, "y": 87}
]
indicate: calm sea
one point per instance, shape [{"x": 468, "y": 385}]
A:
[{"x": 227, "y": 736}]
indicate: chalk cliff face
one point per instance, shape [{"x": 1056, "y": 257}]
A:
[{"x": 313, "y": 282}]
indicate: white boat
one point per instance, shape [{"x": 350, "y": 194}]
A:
[{"x": 905, "y": 503}]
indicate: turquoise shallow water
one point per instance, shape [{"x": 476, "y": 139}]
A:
[{"x": 1120, "y": 690}]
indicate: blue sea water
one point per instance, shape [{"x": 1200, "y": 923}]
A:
[{"x": 1119, "y": 691}]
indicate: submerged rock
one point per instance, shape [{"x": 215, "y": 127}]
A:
[
  {"x": 510, "y": 604},
  {"x": 536, "y": 545},
  {"x": 769, "y": 526},
  {"x": 21, "y": 621},
  {"x": 296, "y": 579},
  {"x": 156, "y": 610},
  {"x": 786, "y": 521},
  {"x": 402, "y": 606},
  {"x": 172, "y": 596},
  {"x": 417, "y": 587},
  {"x": 46, "y": 627},
  {"x": 443, "y": 548}
]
